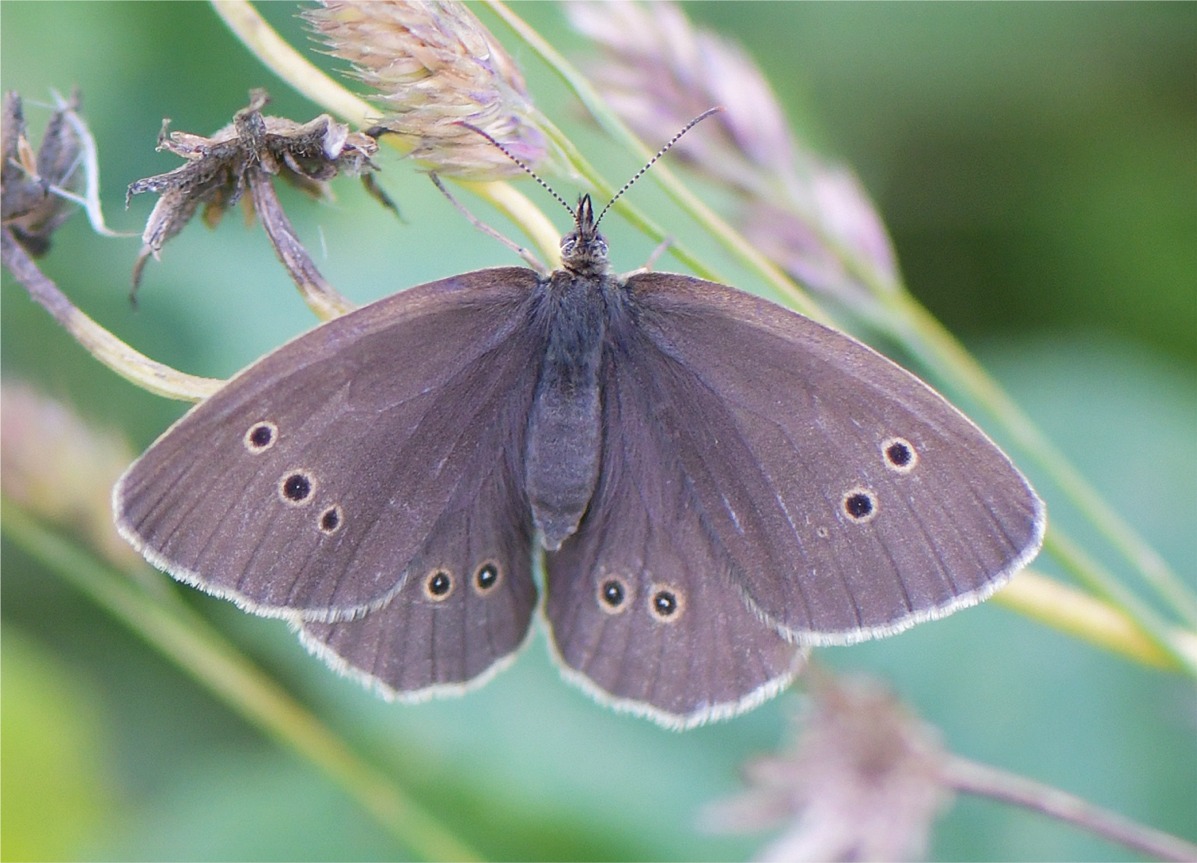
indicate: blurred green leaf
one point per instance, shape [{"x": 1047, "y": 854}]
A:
[{"x": 59, "y": 792}]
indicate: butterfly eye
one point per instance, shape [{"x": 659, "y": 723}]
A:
[
  {"x": 900, "y": 454},
  {"x": 486, "y": 577},
  {"x": 438, "y": 585},
  {"x": 296, "y": 487},
  {"x": 666, "y": 604},
  {"x": 860, "y": 505},
  {"x": 261, "y": 437},
  {"x": 331, "y": 519},
  {"x": 612, "y": 595}
]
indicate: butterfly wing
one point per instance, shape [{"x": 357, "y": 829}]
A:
[
  {"x": 310, "y": 484},
  {"x": 640, "y": 604},
  {"x": 851, "y": 499},
  {"x": 466, "y": 603}
]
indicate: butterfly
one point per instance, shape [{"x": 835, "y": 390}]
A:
[{"x": 703, "y": 483}]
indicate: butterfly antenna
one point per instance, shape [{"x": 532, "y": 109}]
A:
[
  {"x": 502, "y": 149},
  {"x": 654, "y": 159}
]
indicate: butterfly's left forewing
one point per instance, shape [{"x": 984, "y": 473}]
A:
[{"x": 312, "y": 481}]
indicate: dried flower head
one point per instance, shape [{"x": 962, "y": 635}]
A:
[
  {"x": 30, "y": 206},
  {"x": 862, "y": 781},
  {"x": 62, "y": 468},
  {"x": 658, "y": 70},
  {"x": 435, "y": 67},
  {"x": 216, "y": 175}
]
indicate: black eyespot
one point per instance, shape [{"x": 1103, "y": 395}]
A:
[
  {"x": 860, "y": 505},
  {"x": 612, "y": 595},
  {"x": 438, "y": 585},
  {"x": 666, "y": 604},
  {"x": 900, "y": 454},
  {"x": 296, "y": 487},
  {"x": 261, "y": 437},
  {"x": 330, "y": 519},
  {"x": 486, "y": 577}
]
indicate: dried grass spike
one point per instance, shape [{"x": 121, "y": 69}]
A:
[{"x": 434, "y": 67}]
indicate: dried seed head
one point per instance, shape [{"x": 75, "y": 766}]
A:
[
  {"x": 28, "y": 203},
  {"x": 864, "y": 780},
  {"x": 307, "y": 155},
  {"x": 658, "y": 70},
  {"x": 435, "y": 66}
]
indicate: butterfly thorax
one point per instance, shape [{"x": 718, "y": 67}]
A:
[{"x": 564, "y": 428}]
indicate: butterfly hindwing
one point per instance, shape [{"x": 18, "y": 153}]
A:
[
  {"x": 465, "y": 601},
  {"x": 640, "y": 603}
]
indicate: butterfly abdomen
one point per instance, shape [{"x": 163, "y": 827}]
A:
[{"x": 564, "y": 426}]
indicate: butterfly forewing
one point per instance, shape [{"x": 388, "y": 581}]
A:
[
  {"x": 310, "y": 482},
  {"x": 851, "y": 499}
]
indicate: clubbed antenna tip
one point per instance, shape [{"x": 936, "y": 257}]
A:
[
  {"x": 654, "y": 159},
  {"x": 502, "y": 149}
]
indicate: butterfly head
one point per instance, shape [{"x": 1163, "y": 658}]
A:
[{"x": 584, "y": 250}]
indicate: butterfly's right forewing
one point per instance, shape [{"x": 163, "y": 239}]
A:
[{"x": 853, "y": 500}]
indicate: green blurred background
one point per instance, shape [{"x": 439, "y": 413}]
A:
[{"x": 1037, "y": 167}]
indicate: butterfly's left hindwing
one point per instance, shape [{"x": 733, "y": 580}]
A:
[{"x": 465, "y": 605}]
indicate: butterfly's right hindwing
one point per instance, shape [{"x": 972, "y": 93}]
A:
[{"x": 641, "y": 605}]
